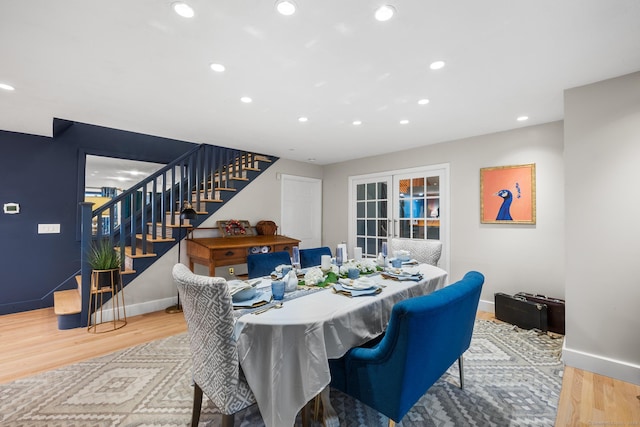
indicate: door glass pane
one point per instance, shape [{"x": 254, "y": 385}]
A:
[
  {"x": 360, "y": 188},
  {"x": 382, "y": 227},
  {"x": 371, "y": 209},
  {"x": 360, "y": 226},
  {"x": 371, "y": 191},
  {"x": 371, "y": 227},
  {"x": 382, "y": 209},
  {"x": 382, "y": 190},
  {"x": 417, "y": 187},
  {"x": 405, "y": 228},
  {"x": 360, "y": 213}
]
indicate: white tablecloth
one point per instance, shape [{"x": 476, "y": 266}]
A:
[{"x": 284, "y": 352}]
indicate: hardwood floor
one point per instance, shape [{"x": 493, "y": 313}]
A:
[{"x": 32, "y": 343}]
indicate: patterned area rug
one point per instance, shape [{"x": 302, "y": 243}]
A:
[{"x": 512, "y": 378}]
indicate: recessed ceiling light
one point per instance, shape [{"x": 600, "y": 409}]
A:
[
  {"x": 311, "y": 159},
  {"x": 423, "y": 101},
  {"x": 384, "y": 13},
  {"x": 303, "y": 119},
  {"x": 523, "y": 118},
  {"x": 183, "y": 9},
  {"x": 246, "y": 99},
  {"x": 6, "y": 87},
  {"x": 217, "y": 67},
  {"x": 357, "y": 122},
  {"x": 286, "y": 7},
  {"x": 436, "y": 65},
  {"x": 404, "y": 122}
]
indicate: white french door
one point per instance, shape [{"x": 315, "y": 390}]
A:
[{"x": 409, "y": 204}]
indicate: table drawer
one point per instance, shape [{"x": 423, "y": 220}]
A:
[{"x": 239, "y": 254}]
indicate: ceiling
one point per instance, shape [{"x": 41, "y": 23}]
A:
[{"x": 138, "y": 66}]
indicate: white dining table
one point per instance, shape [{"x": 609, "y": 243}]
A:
[{"x": 284, "y": 353}]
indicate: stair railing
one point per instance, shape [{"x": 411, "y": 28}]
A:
[{"x": 194, "y": 177}]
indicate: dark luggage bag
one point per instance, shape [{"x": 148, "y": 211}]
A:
[
  {"x": 520, "y": 312},
  {"x": 555, "y": 310}
]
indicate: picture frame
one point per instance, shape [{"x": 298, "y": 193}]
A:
[{"x": 508, "y": 194}]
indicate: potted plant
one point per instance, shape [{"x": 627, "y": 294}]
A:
[{"x": 104, "y": 261}]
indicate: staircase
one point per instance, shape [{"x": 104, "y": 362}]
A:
[{"x": 149, "y": 222}]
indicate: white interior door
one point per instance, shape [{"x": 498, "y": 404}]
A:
[{"x": 302, "y": 224}]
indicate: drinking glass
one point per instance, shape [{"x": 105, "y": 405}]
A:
[
  {"x": 384, "y": 249},
  {"x": 295, "y": 258},
  {"x": 277, "y": 290}
]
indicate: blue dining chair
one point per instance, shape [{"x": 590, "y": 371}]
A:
[
  {"x": 424, "y": 338},
  {"x": 259, "y": 265},
  {"x": 311, "y": 257}
]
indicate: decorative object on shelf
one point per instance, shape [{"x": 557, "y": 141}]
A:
[
  {"x": 266, "y": 228},
  {"x": 235, "y": 228},
  {"x": 508, "y": 194},
  {"x": 187, "y": 212}
]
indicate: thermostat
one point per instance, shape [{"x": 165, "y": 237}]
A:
[{"x": 11, "y": 208}]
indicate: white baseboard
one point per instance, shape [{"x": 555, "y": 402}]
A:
[
  {"x": 488, "y": 306},
  {"x": 601, "y": 365},
  {"x": 140, "y": 308}
]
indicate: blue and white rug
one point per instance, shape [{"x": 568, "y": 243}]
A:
[{"x": 512, "y": 378}]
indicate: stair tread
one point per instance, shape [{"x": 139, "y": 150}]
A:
[
  {"x": 139, "y": 254},
  {"x": 157, "y": 239},
  {"x": 159, "y": 224},
  {"x": 67, "y": 302}
]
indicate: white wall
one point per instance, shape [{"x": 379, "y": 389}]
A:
[
  {"x": 602, "y": 172},
  {"x": 513, "y": 257}
]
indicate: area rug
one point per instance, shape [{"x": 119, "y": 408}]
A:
[{"x": 512, "y": 378}]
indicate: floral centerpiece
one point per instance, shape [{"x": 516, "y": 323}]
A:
[{"x": 315, "y": 276}]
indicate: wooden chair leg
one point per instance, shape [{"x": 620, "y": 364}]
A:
[
  {"x": 197, "y": 405},
  {"x": 227, "y": 420},
  {"x": 461, "y": 371},
  {"x": 391, "y": 423}
]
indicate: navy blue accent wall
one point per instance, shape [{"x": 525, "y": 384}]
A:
[{"x": 42, "y": 175}]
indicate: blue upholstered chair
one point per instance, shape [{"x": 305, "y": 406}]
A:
[
  {"x": 259, "y": 265},
  {"x": 311, "y": 257},
  {"x": 424, "y": 338},
  {"x": 207, "y": 308}
]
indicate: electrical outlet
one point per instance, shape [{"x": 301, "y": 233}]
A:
[{"x": 231, "y": 271}]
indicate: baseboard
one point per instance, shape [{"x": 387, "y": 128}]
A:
[
  {"x": 140, "y": 308},
  {"x": 488, "y": 306},
  {"x": 601, "y": 365}
]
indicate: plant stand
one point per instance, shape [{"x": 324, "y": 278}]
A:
[{"x": 106, "y": 282}]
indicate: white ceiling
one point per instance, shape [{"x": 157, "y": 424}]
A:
[{"x": 137, "y": 66}]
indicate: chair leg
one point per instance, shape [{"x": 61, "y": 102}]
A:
[
  {"x": 461, "y": 370},
  {"x": 227, "y": 420},
  {"x": 391, "y": 423},
  {"x": 197, "y": 405}
]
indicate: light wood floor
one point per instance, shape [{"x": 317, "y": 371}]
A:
[{"x": 32, "y": 343}]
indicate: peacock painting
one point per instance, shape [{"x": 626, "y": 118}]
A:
[
  {"x": 504, "y": 214},
  {"x": 508, "y": 194}
]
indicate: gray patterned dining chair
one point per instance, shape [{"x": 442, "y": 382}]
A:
[
  {"x": 208, "y": 309},
  {"x": 427, "y": 251}
]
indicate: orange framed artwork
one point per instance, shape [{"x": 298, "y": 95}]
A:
[{"x": 508, "y": 194}]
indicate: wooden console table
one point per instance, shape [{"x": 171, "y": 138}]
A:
[{"x": 218, "y": 251}]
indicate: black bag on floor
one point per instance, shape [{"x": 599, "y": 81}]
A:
[
  {"x": 520, "y": 312},
  {"x": 555, "y": 310}
]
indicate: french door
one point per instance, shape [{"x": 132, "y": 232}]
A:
[{"x": 409, "y": 204}]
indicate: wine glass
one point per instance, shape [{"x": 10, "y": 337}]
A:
[
  {"x": 295, "y": 259},
  {"x": 384, "y": 249}
]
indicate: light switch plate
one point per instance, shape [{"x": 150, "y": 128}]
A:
[{"x": 48, "y": 228}]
